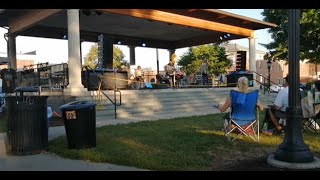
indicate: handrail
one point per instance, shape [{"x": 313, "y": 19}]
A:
[
  {"x": 115, "y": 90},
  {"x": 263, "y": 77},
  {"x": 264, "y": 80}
]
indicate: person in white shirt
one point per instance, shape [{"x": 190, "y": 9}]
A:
[
  {"x": 171, "y": 70},
  {"x": 277, "y": 111},
  {"x": 138, "y": 74}
]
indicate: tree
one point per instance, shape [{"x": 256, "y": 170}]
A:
[
  {"x": 91, "y": 58},
  {"x": 118, "y": 57},
  {"x": 309, "y": 35},
  {"x": 215, "y": 54}
]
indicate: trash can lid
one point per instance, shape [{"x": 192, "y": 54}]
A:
[
  {"x": 26, "y": 89},
  {"x": 77, "y": 105}
]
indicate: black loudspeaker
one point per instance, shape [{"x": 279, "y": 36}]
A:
[
  {"x": 241, "y": 61},
  {"x": 105, "y": 52}
]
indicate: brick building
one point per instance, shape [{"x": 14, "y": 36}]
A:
[
  {"x": 23, "y": 59},
  {"x": 278, "y": 69}
]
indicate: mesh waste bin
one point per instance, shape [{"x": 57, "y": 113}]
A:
[
  {"x": 27, "y": 129},
  {"x": 8, "y": 77},
  {"x": 80, "y": 124}
]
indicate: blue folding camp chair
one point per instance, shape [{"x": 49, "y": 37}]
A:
[{"x": 244, "y": 116}]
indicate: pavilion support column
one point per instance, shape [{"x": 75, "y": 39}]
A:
[
  {"x": 75, "y": 86},
  {"x": 171, "y": 52},
  {"x": 11, "y": 48},
  {"x": 81, "y": 41},
  {"x": 132, "y": 55},
  {"x": 252, "y": 57}
]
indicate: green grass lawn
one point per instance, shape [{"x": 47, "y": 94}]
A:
[{"x": 191, "y": 143}]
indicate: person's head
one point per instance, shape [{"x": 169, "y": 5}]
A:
[
  {"x": 243, "y": 84},
  {"x": 139, "y": 67},
  {"x": 173, "y": 58}
]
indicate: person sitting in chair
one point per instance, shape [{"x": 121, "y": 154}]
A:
[
  {"x": 277, "y": 111},
  {"x": 138, "y": 74},
  {"x": 180, "y": 77},
  {"x": 171, "y": 70},
  {"x": 243, "y": 85}
]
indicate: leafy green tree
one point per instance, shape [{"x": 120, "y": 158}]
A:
[
  {"x": 216, "y": 55},
  {"x": 91, "y": 58},
  {"x": 309, "y": 35},
  {"x": 118, "y": 58}
]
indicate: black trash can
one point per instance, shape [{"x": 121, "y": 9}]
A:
[
  {"x": 8, "y": 80},
  {"x": 80, "y": 124},
  {"x": 27, "y": 129}
]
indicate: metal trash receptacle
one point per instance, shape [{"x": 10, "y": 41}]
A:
[
  {"x": 27, "y": 130},
  {"x": 8, "y": 77},
  {"x": 80, "y": 124}
]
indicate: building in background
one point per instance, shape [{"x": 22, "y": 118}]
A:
[
  {"x": 231, "y": 51},
  {"x": 278, "y": 69},
  {"x": 23, "y": 59}
]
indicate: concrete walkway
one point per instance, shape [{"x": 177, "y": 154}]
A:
[{"x": 51, "y": 162}]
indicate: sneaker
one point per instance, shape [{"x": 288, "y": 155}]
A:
[
  {"x": 278, "y": 133},
  {"x": 268, "y": 132}
]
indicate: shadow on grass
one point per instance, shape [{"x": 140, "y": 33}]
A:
[{"x": 182, "y": 144}]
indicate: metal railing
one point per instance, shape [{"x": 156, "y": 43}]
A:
[
  {"x": 115, "y": 90},
  {"x": 264, "y": 84}
]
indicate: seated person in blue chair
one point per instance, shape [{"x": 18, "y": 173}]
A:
[{"x": 242, "y": 86}]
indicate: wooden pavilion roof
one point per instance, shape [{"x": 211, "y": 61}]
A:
[{"x": 157, "y": 28}]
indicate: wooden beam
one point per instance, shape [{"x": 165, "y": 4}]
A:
[
  {"x": 90, "y": 36},
  {"x": 27, "y": 20},
  {"x": 191, "y": 10},
  {"x": 221, "y": 16},
  {"x": 200, "y": 40},
  {"x": 166, "y": 17}
]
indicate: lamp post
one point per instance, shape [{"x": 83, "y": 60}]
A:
[
  {"x": 293, "y": 149},
  {"x": 269, "y": 66}
]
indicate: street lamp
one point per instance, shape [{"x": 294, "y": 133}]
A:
[{"x": 269, "y": 66}]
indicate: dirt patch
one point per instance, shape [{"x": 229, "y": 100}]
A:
[
  {"x": 258, "y": 164},
  {"x": 255, "y": 160}
]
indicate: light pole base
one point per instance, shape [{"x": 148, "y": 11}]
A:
[{"x": 286, "y": 165}]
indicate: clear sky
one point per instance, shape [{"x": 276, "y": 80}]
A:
[{"x": 56, "y": 51}]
